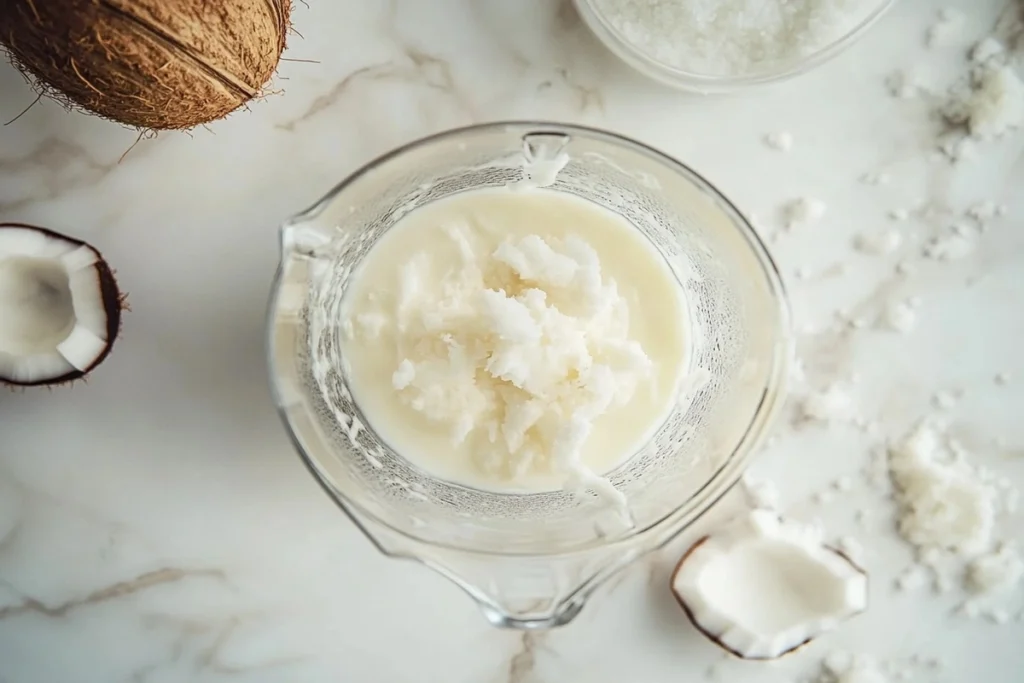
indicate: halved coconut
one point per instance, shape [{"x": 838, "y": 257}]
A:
[
  {"x": 764, "y": 586},
  {"x": 60, "y": 307}
]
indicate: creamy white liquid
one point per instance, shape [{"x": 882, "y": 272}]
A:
[{"x": 442, "y": 256}]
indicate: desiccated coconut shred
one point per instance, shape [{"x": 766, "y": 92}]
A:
[{"x": 732, "y": 37}]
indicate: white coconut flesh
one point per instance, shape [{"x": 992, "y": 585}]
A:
[
  {"x": 764, "y": 586},
  {"x": 53, "y": 318}
]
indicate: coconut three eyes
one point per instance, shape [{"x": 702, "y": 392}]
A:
[{"x": 156, "y": 64}]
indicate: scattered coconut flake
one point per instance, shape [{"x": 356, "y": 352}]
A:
[
  {"x": 876, "y": 178},
  {"x": 913, "y": 578},
  {"x": 943, "y": 502},
  {"x": 761, "y": 493},
  {"x": 803, "y": 211},
  {"x": 856, "y": 670},
  {"x": 837, "y": 663},
  {"x": 832, "y": 404},
  {"x": 1002, "y": 378},
  {"x": 991, "y": 106},
  {"x": 899, "y": 316},
  {"x": 880, "y": 244},
  {"x": 822, "y": 497},
  {"x": 947, "y": 30},
  {"x": 899, "y": 214},
  {"x": 903, "y": 84},
  {"x": 781, "y": 141},
  {"x": 957, "y": 147},
  {"x": 843, "y": 484},
  {"x": 944, "y": 400},
  {"x": 998, "y": 615},
  {"x": 985, "y": 49},
  {"x": 950, "y": 247},
  {"x": 983, "y": 211},
  {"x": 942, "y": 584},
  {"x": 995, "y": 572},
  {"x": 970, "y": 609}
]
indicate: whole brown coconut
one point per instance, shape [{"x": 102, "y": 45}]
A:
[{"x": 161, "y": 64}]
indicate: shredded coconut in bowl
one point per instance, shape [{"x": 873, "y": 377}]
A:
[{"x": 732, "y": 37}]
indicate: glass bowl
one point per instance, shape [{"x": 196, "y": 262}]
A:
[
  {"x": 532, "y": 560},
  {"x": 629, "y": 52}
]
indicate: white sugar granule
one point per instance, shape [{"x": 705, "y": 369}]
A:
[{"x": 732, "y": 37}]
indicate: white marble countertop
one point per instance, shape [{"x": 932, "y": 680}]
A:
[{"x": 155, "y": 524}]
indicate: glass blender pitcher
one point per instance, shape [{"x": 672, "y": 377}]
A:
[{"x": 532, "y": 560}]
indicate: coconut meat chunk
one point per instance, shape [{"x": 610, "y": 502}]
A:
[
  {"x": 57, "y": 299},
  {"x": 764, "y": 586}
]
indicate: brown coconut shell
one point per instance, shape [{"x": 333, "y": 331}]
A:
[{"x": 154, "y": 64}]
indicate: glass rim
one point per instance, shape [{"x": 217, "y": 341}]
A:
[{"x": 716, "y": 485}]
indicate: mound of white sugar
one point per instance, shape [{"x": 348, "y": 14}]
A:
[{"x": 732, "y": 37}]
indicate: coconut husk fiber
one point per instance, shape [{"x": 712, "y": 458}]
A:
[{"x": 152, "y": 64}]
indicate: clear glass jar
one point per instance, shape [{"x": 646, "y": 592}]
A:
[{"x": 532, "y": 561}]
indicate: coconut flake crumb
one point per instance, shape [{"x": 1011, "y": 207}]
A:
[
  {"x": 998, "y": 615},
  {"x": 984, "y": 211},
  {"x": 1002, "y": 378},
  {"x": 957, "y": 147},
  {"x": 876, "y": 178},
  {"x": 403, "y": 375},
  {"x": 781, "y": 141},
  {"x": 899, "y": 214},
  {"x": 899, "y": 316},
  {"x": 986, "y": 49},
  {"x": 881, "y": 244},
  {"x": 991, "y": 106},
  {"x": 761, "y": 493},
  {"x": 903, "y": 84},
  {"x": 947, "y": 30},
  {"x": 831, "y": 404},
  {"x": 803, "y": 211},
  {"x": 998, "y": 571},
  {"x": 949, "y": 247},
  {"x": 944, "y": 400},
  {"x": 913, "y": 578},
  {"x": 844, "y": 668},
  {"x": 942, "y": 500}
]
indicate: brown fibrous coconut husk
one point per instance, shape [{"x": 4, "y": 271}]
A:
[{"x": 152, "y": 64}]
